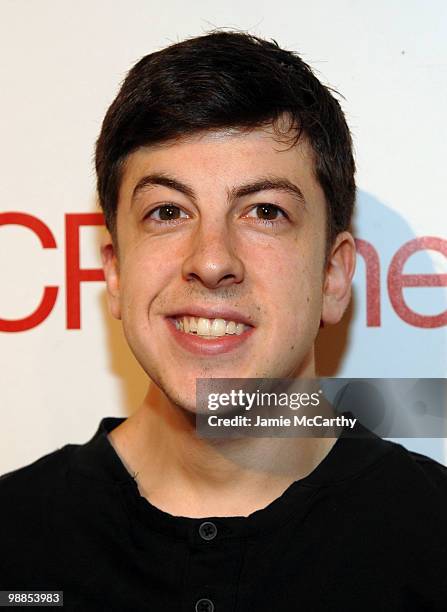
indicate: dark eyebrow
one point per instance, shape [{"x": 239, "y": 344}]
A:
[
  {"x": 268, "y": 183},
  {"x": 164, "y": 181},
  {"x": 261, "y": 184}
]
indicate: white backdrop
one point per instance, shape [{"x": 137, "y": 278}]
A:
[{"x": 61, "y": 65}]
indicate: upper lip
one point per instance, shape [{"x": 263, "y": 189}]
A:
[{"x": 217, "y": 312}]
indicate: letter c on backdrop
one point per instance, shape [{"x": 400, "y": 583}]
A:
[{"x": 49, "y": 297}]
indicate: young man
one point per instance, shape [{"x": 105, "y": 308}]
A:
[{"x": 226, "y": 176}]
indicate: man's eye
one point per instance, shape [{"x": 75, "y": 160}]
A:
[
  {"x": 166, "y": 213},
  {"x": 267, "y": 212}
]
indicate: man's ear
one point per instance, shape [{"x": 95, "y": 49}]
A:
[
  {"x": 110, "y": 265},
  {"x": 340, "y": 269}
]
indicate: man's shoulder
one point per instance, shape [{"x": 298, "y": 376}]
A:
[
  {"x": 367, "y": 453},
  {"x": 50, "y": 470},
  {"x": 408, "y": 479},
  {"x": 434, "y": 472},
  {"x": 384, "y": 471},
  {"x": 40, "y": 475}
]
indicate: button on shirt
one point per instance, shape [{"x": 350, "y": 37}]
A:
[
  {"x": 204, "y": 605},
  {"x": 208, "y": 530},
  {"x": 366, "y": 530}
]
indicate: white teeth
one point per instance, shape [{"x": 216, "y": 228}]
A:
[
  {"x": 203, "y": 327},
  {"x": 231, "y": 327},
  {"x": 211, "y": 328},
  {"x": 218, "y": 327}
]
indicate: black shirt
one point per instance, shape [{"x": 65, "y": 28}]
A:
[{"x": 366, "y": 530}]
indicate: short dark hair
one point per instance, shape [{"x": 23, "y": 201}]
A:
[{"x": 226, "y": 79}]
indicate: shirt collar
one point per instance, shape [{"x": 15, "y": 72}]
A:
[{"x": 355, "y": 451}]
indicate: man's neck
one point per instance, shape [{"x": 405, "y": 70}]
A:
[{"x": 185, "y": 475}]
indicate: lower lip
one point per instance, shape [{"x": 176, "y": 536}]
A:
[{"x": 200, "y": 346}]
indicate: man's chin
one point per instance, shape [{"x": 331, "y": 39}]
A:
[{"x": 184, "y": 400}]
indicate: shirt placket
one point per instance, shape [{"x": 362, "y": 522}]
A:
[{"x": 215, "y": 558}]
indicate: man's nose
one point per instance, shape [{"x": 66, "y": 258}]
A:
[{"x": 212, "y": 258}]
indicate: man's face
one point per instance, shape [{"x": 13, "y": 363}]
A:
[{"x": 219, "y": 225}]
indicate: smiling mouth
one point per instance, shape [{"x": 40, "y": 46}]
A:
[{"x": 209, "y": 328}]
